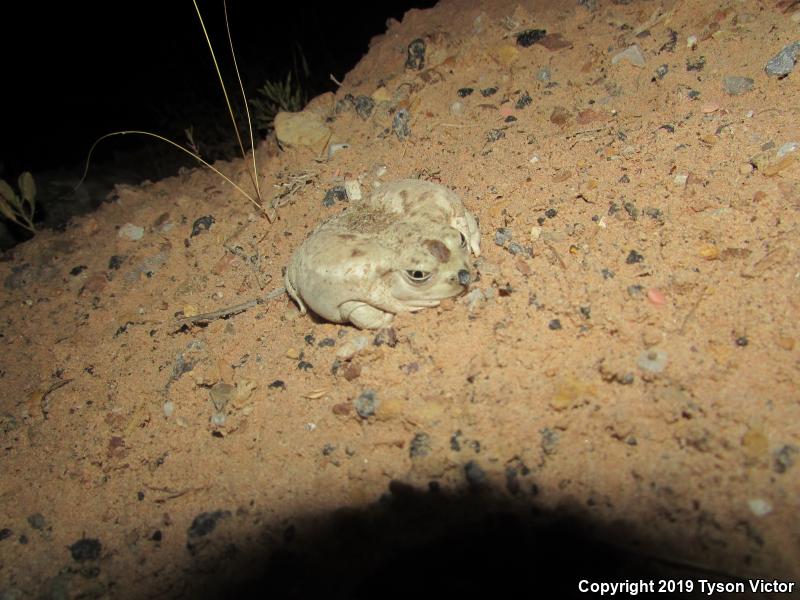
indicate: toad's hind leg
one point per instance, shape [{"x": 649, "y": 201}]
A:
[
  {"x": 365, "y": 316},
  {"x": 293, "y": 293}
]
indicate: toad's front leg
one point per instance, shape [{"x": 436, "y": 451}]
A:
[{"x": 365, "y": 316}]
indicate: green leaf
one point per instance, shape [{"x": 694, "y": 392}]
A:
[
  {"x": 5, "y": 210},
  {"x": 28, "y": 187},
  {"x": 5, "y": 191}
]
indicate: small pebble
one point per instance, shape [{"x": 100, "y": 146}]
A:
[
  {"x": 502, "y": 236},
  {"x": 473, "y": 297},
  {"x": 420, "y": 445},
  {"x": 656, "y": 296},
  {"x": 465, "y": 91},
  {"x": 457, "y": 108},
  {"x": 549, "y": 441},
  {"x": 633, "y": 54},
  {"x": 524, "y": 100},
  {"x": 337, "y": 192},
  {"x": 169, "y": 408},
  {"x": 634, "y": 257},
  {"x": 635, "y": 290},
  {"x": 555, "y": 325},
  {"x": 681, "y": 179},
  {"x": 544, "y": 75},
  {"x": 696, "y": 64},
  {"x": 475, "y": 475},
  {"x": 401, "y": 124},
  {"x": 202, "y": 224},
  {"x": 691, "y": 42},
  {"x": 490, "y": 91},
  {"x": 529, "y": 37},
  {"x": 515, "y": 249},
  {"x": 206, "y": 522},
  {"x": 353, "y": 346},
  {"x": 653, "y": 361},
  {"x": 736, "y": 85},
  {"x": 787, "y": 148},
  {"x": 366, "y": 404},
  {"x": 784, "y": 61},
  {"x": 334, "y": 148},
  {"x": 37, "y": 521},
  {"x": 415, "y": 59},
  {"x": 353, "y": 189},
  {"x": 759, "y": 507},
  {"x": 364, "y": 106},
  {"x": 784, "y": 459},
  {"x": 495, "y": 134},
  {"x": 131, "y": 232},
  {"x": 86, "y": 549}
]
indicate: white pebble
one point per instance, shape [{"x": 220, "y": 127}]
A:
[
  {"x": 787, "y": 148},
  {"x": 759, "y": 507},
  {"x": 334, "y": 148},
  {"x": 131, "y": 232},
  {"x": 691, "y": 42},
  {"x": 169, "y": 408},
  {"x": 353, "y": 189},
  {"x": 457, "y": 108},
  {"x": 654, "y": 361},
  {"x": 633, "y": 54},
  {"x": 352, "y": 347}
]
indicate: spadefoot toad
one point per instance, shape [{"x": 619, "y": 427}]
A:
[{"x": 403, "y": 248}]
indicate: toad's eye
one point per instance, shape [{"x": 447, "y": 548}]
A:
[
  {"x": 417, "y": 276},
  {"x": 463, "y": 240}
]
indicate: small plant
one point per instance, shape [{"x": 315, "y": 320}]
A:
[
  {"x": 254, "y": 198},
  {"x": 274, "y": 97},
  {"x": 19, "y": 208}
]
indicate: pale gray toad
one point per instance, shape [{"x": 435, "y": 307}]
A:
[{"x": 405, "y": 247}]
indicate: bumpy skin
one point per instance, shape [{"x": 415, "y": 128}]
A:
[{"x": 367, "y": 263}]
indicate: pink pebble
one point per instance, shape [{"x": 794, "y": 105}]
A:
[
  {"x": 656, "y": 296},
  {"x": 506, "y": 111}
]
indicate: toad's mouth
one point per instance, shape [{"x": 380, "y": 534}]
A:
[
  {"x": 423, "y": 303},
  {"x": 419, "y": 303}
]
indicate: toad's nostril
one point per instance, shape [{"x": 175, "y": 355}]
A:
[{"x": 463, "y": 277}]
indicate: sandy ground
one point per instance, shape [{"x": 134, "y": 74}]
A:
[{"x": 619, "y": 397}]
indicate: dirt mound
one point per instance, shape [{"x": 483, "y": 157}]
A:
[{"x": 628, "y": 358}]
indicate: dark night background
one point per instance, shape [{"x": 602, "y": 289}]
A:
[{"x": 75, "y": 71}]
